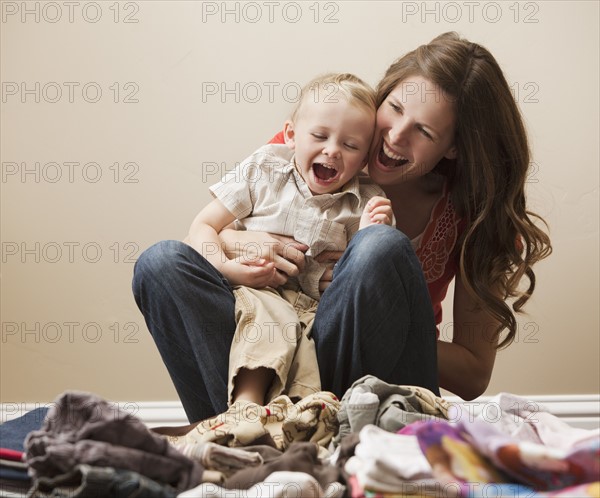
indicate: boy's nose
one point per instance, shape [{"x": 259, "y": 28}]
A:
[{"x": 332, "y": 150}]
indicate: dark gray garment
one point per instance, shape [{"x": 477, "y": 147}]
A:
[
  {"x": 84, "y": 481},
  {"x": 83, "y": 428},
  {"x": 299, "y": 457}
]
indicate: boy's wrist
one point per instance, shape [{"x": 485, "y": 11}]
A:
[
  {"x": 228, "y": 270},
  {"x": 224, "y": 267}
]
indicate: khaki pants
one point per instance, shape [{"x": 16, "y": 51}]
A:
[{"x": 273, "y": 331}]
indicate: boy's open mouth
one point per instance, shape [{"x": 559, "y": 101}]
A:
[
  {"x": 325, "y": 172},
  {"x": 389, "y": 158}
]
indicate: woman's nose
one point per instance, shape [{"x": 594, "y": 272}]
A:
[{"x": 399, "y": 133}]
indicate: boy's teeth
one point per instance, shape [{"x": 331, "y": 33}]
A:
[
  {"x": 391, "y": 155},
  {"x": 325, "y": 172}
]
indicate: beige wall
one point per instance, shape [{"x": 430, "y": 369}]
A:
[{"x": 149, "y": 145}]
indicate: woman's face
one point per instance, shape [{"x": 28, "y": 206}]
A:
[{"x": 414, "y": 131}]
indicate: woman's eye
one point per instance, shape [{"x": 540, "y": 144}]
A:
[
  {"x": 396, "y": 108},
  {"x": 424, "y": 132}
]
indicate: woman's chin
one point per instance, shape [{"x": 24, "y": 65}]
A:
[{"x": 384, "y": 175}]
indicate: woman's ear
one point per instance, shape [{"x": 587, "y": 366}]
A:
[
  {"x": 451, "y": 153},
  {"x": 288, "y": 134}
]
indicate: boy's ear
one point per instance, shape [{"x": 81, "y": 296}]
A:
[
  {"x": 451, "y": 153},
  {"x": 288, "y": 134}
]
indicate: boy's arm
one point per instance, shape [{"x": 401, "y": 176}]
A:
[
  {"x": 204, "y": 238},
  {"x": 205, "y": 229}
]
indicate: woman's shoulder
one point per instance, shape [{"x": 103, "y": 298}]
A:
[{"x": 277, "y": 138}]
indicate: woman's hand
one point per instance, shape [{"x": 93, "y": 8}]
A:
[
  {"x": 330, "y": 258},
  {"x": 270, "y": 258}
]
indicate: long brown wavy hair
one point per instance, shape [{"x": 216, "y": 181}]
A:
[{"x": 487, "y": 179}]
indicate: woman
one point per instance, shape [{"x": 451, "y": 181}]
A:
[{"x": 451, "y": 153}]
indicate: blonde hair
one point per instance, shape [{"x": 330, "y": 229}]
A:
[
  {"x": 329, "y": 87},
  {"x": 501, "y": 242}
]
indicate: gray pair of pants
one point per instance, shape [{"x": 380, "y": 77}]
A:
[{"x": 85, "y": 481}]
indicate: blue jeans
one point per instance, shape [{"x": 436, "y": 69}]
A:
[{"x": 375, "y": 318}]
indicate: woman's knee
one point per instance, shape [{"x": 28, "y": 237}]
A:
[
  {"x": 170, "y": 262},
  {"x": 159, "y": 259},
  {"x": 378, "y": 246}
]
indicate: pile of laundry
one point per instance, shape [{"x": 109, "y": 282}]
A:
[{"x": 379, "y": 440}]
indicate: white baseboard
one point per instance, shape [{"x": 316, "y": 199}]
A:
[{"x": 578, "y": 410}]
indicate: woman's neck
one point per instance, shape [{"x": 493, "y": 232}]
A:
[
  {"x": 424, "y": 186},
  {"x": 413, "y": 201}
]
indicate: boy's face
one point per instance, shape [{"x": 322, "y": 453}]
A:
[{"x": 331, "y": 142}]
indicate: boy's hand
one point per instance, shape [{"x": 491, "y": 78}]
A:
[
  {"x": 257, "y": 273},
  {"x": 377, "y": 211}
]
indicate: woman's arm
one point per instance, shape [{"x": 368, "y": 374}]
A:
[{"x": 465, "y": 365}]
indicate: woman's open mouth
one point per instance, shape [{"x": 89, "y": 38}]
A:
[
  {"x": 325, "y": 173},
  {"x": 390, "y": 159}
]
